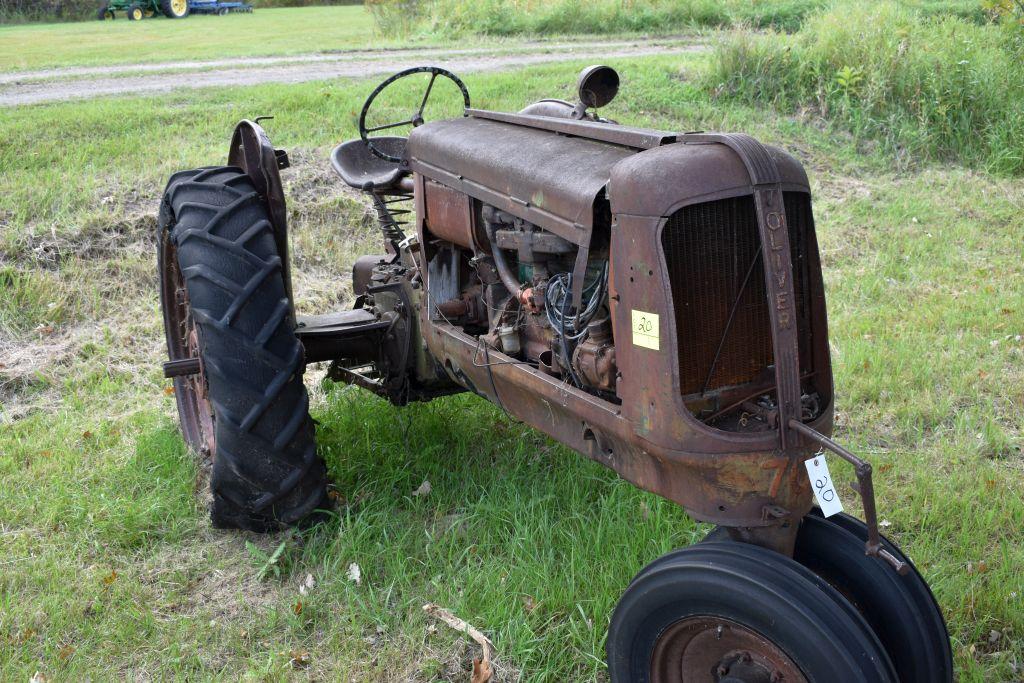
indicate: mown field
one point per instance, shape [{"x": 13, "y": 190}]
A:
[
  {"x": 28, "y": 11},
  {"x": 109, "y": 567},
  {"x": 269, "y": 31}
]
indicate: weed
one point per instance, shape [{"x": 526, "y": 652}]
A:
[
  {"x": 270, "y": 564},
  {"x": 559, "y": 17},
  {"x": 925, "y": 87}
]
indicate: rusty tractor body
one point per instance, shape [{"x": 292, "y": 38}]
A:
[{"x": 653, "y": 300}]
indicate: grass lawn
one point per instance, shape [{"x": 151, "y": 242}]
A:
[
  {"x": 270, "y": 31},
  {"x": 109, "y": 567}
]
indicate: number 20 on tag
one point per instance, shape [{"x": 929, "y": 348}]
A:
[{"x": 823, "y": 486}]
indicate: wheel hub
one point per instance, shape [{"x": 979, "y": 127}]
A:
[
  {"x": 718, "y": 650},
  {"x": 741, "y": 668}
]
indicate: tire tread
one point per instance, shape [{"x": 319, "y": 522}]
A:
[{"x": 266, "y": 471}]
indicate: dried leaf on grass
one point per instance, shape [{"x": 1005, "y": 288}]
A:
[
  {"x": 482, "y": 671},
  {"x": 299, "y": 659}
]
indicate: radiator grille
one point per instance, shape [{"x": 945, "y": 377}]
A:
[{"x": 713, "y": 256}]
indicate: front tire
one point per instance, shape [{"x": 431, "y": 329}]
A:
[
  {"x": 232, "y": 311},
  {"x": 901, "y": 609},
  {"x": 722, "y": 610},
  {"x": 135, "y": 13}
]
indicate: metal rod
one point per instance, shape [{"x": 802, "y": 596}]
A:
[
  {"x": 181, "y": 368},
  {"x": 728, "y": 323},
  {"x": 866, "y": 489}
]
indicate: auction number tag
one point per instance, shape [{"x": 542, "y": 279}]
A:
[
  {"x": 824, "y": 488},
  {"x": 645, "y": 329}
]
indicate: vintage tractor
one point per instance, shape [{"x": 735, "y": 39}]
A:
[
  {"x": 137, "y": 10},
  {"x": 652, "y": 300}
]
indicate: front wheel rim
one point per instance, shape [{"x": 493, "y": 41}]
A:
[
  {"x": 713, "y": 648},
  {"x": 179, "y": 6}
]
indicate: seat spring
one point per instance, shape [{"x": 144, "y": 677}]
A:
[{"x": 390, "y": 217}]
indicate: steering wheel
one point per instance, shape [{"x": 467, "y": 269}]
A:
[{"x": 417, "y": 118}]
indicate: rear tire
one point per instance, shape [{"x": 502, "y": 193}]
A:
[
  {"x": 104, "y": 12},
  {"x": 722, "y": 608},
  {"x": 266, "y": 472},
  {"x": 174, "y": 9}
]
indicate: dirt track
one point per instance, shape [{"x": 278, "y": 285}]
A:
[{"x": 85, "y": 82}]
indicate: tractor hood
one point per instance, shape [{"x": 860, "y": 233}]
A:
[
  {"x": 558, "y": 173},
  {"x": 550, "y": 179}
]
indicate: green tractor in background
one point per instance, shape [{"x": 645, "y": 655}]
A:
[{"x": 140, "y": 9}]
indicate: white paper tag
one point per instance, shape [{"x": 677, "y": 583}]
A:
[
  {"x": 822, "y": 485},
  {"x": 645, "y": 330}
]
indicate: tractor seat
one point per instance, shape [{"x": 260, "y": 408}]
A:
[{"x": 364, "y": 170}]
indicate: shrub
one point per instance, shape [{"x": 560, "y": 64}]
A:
[
  {"x": 510, "y": 17},
  {"x": 933, "y": 86},
  {"x": 547, "y": 17},
  {"x": 396, "y": 17},
  {"x": 12, "y": 11}
]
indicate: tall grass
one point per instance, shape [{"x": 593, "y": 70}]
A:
[
  {"x": 559, "y": 17},
  {"x": 934, "y": 87},
  {"x": 509, "y": 17}
]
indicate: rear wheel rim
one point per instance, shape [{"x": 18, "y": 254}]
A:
[
  {"x": 194, "y": 409},
  {"x": 713, "y": 648}
]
